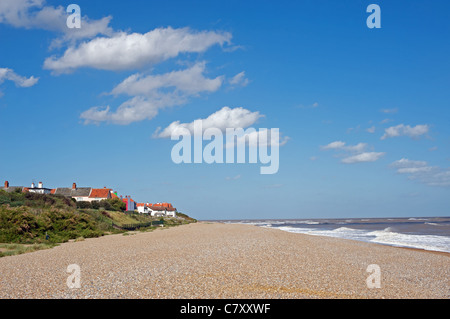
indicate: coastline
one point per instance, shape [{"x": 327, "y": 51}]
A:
[{"x": 214, "y": 260}]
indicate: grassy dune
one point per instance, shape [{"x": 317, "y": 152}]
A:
[{"x": 31, "y": 221}]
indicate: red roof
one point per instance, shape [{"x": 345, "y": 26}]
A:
[{"x": 100, "y": 193}]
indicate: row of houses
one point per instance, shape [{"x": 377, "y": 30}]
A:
[{"x": 89, "y": 194}]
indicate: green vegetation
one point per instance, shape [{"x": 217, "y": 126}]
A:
[
  {"x": 16, "y": 249},
  {"x": 113, "y": 204},
  {"x": 30, "y": 221}
]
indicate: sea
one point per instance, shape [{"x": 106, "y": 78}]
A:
[{"x": 429, "y": 233}]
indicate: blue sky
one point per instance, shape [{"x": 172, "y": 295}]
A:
[{"x": 365, "y": 112}]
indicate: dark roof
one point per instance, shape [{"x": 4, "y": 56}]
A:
[
  {"x": 11, "y": 189},
  {"x": 37, "y": 188},
  {"x": 78, "y": 192}
]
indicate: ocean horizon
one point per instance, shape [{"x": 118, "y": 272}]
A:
[{"x": 428, "y": 233}]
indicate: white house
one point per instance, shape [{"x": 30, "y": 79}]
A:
[
  {"x": 40, "y": 189},
  {"x": 143, "y": 208},
  {"x": 157, "y": 210}
]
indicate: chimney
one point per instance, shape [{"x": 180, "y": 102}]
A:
[
  {"x": 74, "y": 186},
  {"x": 32, "y": 185},
  {"x": 40, "y": 185},
  {"x": 6, "y": 184}
]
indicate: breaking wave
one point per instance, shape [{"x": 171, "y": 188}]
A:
[{"x": 386, "y": 236}]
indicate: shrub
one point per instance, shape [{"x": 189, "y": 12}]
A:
[{"x": 84, "y": 205}]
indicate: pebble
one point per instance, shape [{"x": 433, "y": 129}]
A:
[{"x": 214, "y": 260}]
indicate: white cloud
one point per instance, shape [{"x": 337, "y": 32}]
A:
[
  {"x": 405, "y": 130},
  {"x": 227, "y": 118},
  {"x": 353, "y": 153},
  {"x": 152, "y": 93},
  {"x": 7, "y": 74},
  {"x": 386, "y": 121},
  {"x": 389, "y": 111},
  {"x": 363, "y": 157},
  {"x": 125, "y": 51},
  {"x": 222, "y": 119},
  {"x": 136, "y": 109},
  {"x": 404, "y": 163},
  {"x": 334, "y": 145},
  {"x": 35, "y": 14},
  {"x": 339, "y": 145},
  {"x": 422, "y": 172},
  {"x": 239, "y": 80},
  {"x": 190, "y": 81},
  {"x": 257, "y": 138},
  {"x": 371, "y": 129}
]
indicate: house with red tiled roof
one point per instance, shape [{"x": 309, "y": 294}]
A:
[
  {"x": 100, "y": 194},
  {"x": 160, "y": 210},
  {"x": 157, "y": 210},
  {"x": 85, "y": 194}
]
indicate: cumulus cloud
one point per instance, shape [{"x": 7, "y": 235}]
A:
[
  {"x": 353, "y": 153},
  {"x": 405, "y": 130},
  {"x": 152, "y": 93},
  {"x": 422, "y": 172},
  {"x": 228, "y": 118},
  {"x": 222, "y": 119},
  {"x": 339, "y": 145},
  {"x": 136, "y": 109},
  {"x": 190, "y": 81},
  {"x": 363, "y": 157},
  {"x": 259, "y": 138},
  {"x": 125, "y": 51},
  {"x": 239, "y": 80},
  {"x": 7, "y": 74},
  {"x": 106, "y": 49}
]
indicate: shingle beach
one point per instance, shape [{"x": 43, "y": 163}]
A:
[{"x": 214, "y": 260}]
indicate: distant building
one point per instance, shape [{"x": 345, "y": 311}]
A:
[
  {"x": 11, "y": 189},
  {"x": 130, "y": 204},
  {"x": 85, "y": 194},
  {"x": 40, "y": 189},
  {"x": 80, "y": 194},
  {"x": 98, "y": 194},
  {"x": 162, "y": 210},
  {"x": 142, "y": 208}
]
